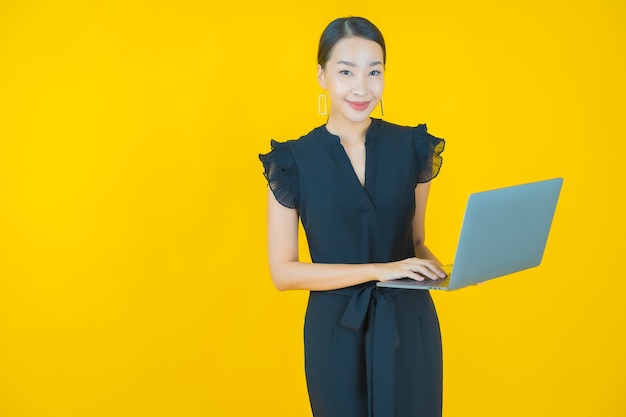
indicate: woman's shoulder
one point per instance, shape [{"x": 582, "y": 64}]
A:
[
  {"x": 281, "y": 166},
  {"x": 400, "y": 131},
  {"x": 415, "y": 142},
  {"x": 285, "y": 152},
  {"x": 304, "y": 140},
  {"x": 418, "y": 134}
]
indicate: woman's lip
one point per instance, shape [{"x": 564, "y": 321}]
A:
[{"x": 359, "y": 105}]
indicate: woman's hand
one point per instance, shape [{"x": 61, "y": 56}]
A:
[{"x": 414, "y": 268}]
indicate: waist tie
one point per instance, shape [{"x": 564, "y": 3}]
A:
[{"x": 372, "y": 307}]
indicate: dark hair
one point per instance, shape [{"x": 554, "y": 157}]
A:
[{"x": 346, "y": 27}]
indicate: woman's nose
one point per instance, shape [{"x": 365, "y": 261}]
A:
[{"x": 359, "y": 86}]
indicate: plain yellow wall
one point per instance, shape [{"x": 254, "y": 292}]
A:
[{"x": 133, "y": 279}]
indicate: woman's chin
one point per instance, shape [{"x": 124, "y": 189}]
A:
[{"x": 356, "y": 117}]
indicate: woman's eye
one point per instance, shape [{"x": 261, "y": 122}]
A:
[
  {"x": 375, "y": 72},
  {"x": 344, "y": 72}
]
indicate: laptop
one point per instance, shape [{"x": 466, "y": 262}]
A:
[{"x": 504, "y": 231}]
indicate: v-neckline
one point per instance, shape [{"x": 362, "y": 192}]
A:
[
  {"x": 365, "y": 158},
  {"x": 367, "y": 190}
]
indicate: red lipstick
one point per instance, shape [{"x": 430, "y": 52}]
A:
[{"x": 359, "y": 105}]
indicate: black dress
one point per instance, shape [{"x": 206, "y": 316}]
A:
[{"x": 369, "y": 351}]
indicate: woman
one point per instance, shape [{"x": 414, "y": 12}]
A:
[{"x": 359, "y": 185}]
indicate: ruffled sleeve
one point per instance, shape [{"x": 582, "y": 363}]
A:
[
  {"x": 428, "y": 151},
  {"x": 281, "y": 173}
]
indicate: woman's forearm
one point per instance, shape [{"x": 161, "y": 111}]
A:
[
  {"x": 319, "y": 277},
  {"x": 294, "y": 275}
]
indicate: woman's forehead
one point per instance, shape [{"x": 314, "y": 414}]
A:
[{"x": 357, "y": 51}]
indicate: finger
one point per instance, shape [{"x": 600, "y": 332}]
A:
[
  {"x": 429, "y": 270},
  {"x": 440, "y": 272},
  {"x": 436, "y": 269},
  {"x": 426, "y": 273},
  {"x": 413, "y": 275}
]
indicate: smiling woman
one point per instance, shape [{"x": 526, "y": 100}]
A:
[
  {"x": 354, "y": 79},
  {"x": 359, "y": 185}
]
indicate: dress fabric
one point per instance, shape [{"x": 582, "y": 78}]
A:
[{"x": 369, "y": 351}]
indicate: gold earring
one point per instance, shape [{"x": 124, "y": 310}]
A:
[
  {"x": 322, "y": 104},
  {"x": 382, "y": 107}
]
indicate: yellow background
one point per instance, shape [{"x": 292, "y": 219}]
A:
[{"x": 133, "y": 279}]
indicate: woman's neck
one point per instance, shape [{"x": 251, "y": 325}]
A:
[{"x": 348, "y": 131}]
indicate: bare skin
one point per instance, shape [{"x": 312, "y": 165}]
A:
[{"x": 353, "y": 74}]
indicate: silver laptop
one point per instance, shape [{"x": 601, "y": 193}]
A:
[{"x": 504, "y": 231}]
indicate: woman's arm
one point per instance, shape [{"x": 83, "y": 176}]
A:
[
  {"x": 419, "y": 229},
  {"x": 288, "y": 273}
]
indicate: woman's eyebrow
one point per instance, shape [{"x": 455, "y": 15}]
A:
[{"x": 352, "y": 64}]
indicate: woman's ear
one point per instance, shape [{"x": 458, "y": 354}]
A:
[{"x": 321, "y": 77}]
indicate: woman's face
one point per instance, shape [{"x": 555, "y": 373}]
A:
[{"x": 354, "y": 78}]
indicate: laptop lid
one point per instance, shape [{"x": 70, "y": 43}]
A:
[{"x": 504, "y": 231}]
